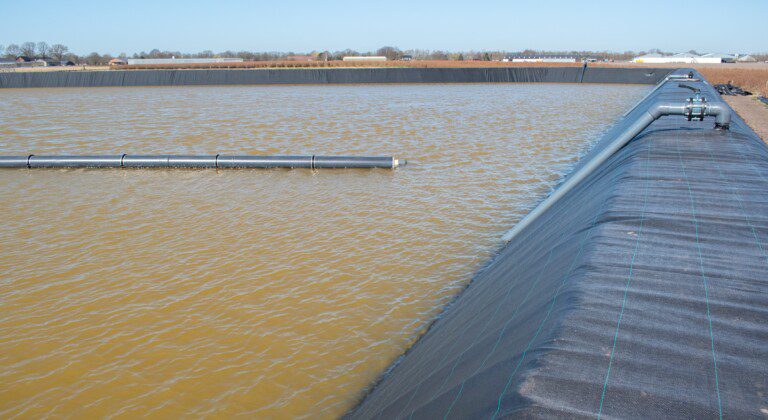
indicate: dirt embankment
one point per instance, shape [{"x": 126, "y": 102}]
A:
[
  {"x": 750, "y": 76},
  {"x": 754, "y": 80},
  {"x": 343, "y": 64},
  {"x": 752, "y": 111}
]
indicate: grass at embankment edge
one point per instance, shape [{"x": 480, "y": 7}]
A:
[{"x": 752, "y": 79}]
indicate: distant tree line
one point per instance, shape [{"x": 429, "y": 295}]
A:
[
  {"x": 60, "y": 52},
  {"x": 37, "y": 50}
]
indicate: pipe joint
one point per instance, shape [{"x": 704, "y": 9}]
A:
[
  {"x": 722, "y": 115},
  {"x": 694, "y": 111}
]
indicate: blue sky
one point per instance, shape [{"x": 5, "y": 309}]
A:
[{"x": 299, "y": 25}]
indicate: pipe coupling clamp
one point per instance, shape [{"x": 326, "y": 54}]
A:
[{"x": 696, "y": 108}]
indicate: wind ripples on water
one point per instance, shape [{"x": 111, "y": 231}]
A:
[{"x": 276, "y": 293}]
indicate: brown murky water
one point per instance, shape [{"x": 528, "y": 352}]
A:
[{"x": 277, "y": 293}]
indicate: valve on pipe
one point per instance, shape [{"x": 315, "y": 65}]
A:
[
  {"x": 696, "y": 108},
  {"x": 209, "y": 161}
]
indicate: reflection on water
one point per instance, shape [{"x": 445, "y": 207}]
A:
[{"x": 274, "y": 293}]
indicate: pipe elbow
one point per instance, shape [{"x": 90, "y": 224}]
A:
[
  {"x": 657, "y": 110},
  {"x": 722, "y": 114}
]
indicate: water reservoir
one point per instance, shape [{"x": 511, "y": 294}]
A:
[{"x": 258, "y": 293}]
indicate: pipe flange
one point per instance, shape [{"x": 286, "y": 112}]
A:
[{"x": 696, "y": 109}]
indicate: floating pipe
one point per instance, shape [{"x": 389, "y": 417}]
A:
[
  {"x": 267, "y": 162},
  {"x": 109, "y": 161},
  {"x": 209, "y": 161},
  {"x": 14, "y": 161},
  {"x": 168, "y": 161},
  {"x": 720, "y": 111}
]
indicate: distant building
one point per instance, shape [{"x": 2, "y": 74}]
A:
[
  {"x": 541, "y": 59},
  {"x": 406, "y": 58},
  {"x": 364, "y": 58},
  {"x": 139, "y": 61},
  {"x": 648, "y": 58},
  {"x": 47, "y": 62},
  {"x": 746, "y": 59},
  {"x": 656, "y": 58},
  {"x": 300, "y": 58},
  {"x": 117, "y": 62},
  {"x": 685, "y": 58},
  {"x": 719, "y": 58},
  {"x": 23, "y": 61}
]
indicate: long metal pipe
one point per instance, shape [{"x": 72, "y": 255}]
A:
[
  {"x": 720, "y": 111},
  {"x": 209, "y": 161}
]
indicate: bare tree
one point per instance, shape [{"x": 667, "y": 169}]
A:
[
  {"x": 338, "y": 55},
  {"x": 12, "y": 51},
  {"x": 59, "y": 51},
  {"x": 93, "y": 59},
  {"x": 43, "y": 49},
  {"x": 28, "y": 49},
  {"x": 392, "y": 53}
]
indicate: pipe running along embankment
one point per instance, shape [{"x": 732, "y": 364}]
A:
[
  {"x": 654, "y": 111},
  {"x": 638, "y": 289},
  {"x": 193, "y": 161},
  {"x": 126, "y": 78}
]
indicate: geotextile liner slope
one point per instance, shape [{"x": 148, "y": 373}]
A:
[
  {"x": 642, "y": 293},
  {"x": 328, "y": 76}
]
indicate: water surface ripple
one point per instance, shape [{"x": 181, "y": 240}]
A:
[{"x": 270, "y": 293}]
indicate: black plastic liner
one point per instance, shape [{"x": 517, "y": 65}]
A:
[
  {"x": 323, "y": 76},
  {"x": 729, "y": 89},
  {"x": 643, "y": 293}
]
